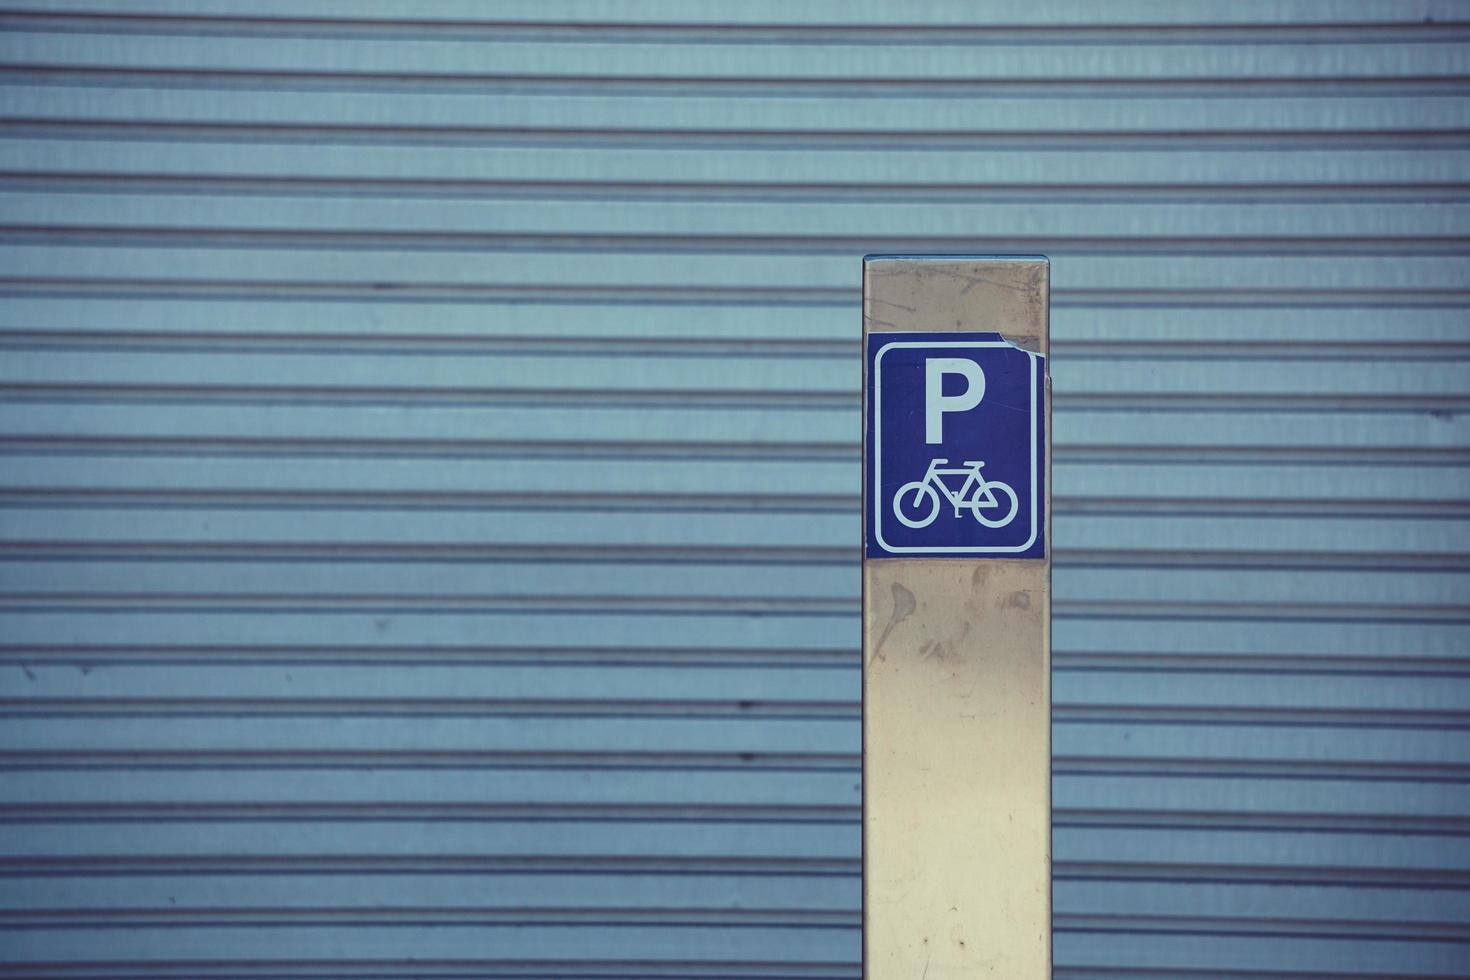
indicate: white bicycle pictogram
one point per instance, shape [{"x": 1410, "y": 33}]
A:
[{"x": 976, "y": 494}]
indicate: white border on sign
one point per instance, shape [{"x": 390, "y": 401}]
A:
[{"x": 877, "y": 513}]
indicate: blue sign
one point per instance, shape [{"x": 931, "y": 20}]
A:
[{"x": 956, "y": 447}]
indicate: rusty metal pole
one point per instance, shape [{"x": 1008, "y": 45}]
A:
[{"x": 956, "y": 618}]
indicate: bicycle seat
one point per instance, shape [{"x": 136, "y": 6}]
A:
[{"x": 977, "y": 463}]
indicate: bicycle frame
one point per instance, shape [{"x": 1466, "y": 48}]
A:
[{"x": 957, "y": 498}]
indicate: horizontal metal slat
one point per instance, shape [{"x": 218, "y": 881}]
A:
[
  {"x": 1404, "y": 584},
  {"x": 446, "y": 893},
  {"x": 667, "y": 629},
  {"x": 609, "y": 113},
  {"x": 817, "y": 381},
  {"x": 430, "y": 166},
  {"x": 1095, "y": 955},
  {"x": 1092, "y": 955},
  {"x": 1311, "y": 855},
  {"x": 1093, "y": 633},
  {"x": 490, "y": 325},
  {"x": 774, "y": 375},
  {"x": 285, "y": 415},
  {"x": 567, "y": 840},
  {"x": 1373, "y": 745},
  {"x": 587, "y": 527},
  {"x": 486, "y": 951},
  {"x": 1346, "y": 277},
  {"x": 834, "y": 689},
  {"x": 831, "y": 689},
  {"x": 521, "y": 788},
  {"x": 408, "y": 219},
  {"x": 1405, "y": 580},
  {"x": 1375, "y": 749},
  {"x": 788, "y": 63},
  {"x": 587, "y": 889},
  {"x": 1080, "y": 799},
  {"x": 378, "y": 479},
  {"x": 500, "y": 474},
  {"x": 1388, "y": 805},
  {"x": 821, "y": 13},
  {"x": 292, "y": 790},
  {"x": 1209, "y": 630},
  {"x": 482, "y": 732},
  {"x": 1230, "y": 903},
  {"x": 1097, "y": 690}
]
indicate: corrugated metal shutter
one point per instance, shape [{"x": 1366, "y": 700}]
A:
[{"x": 429, "y": 475}]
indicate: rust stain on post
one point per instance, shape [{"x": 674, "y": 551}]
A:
[{"x": 956, "y": 694}]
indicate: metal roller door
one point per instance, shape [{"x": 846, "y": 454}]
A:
[{"x": 428, "y": 475}]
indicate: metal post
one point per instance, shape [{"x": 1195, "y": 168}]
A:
[{"x": 956, "y": 618}]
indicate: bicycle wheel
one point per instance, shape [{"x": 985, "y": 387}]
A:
[
  {"x": 1010, "y": 512},
  {"x": 916, "y": 492}
]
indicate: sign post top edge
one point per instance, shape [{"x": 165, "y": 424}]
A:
[{"x": 1004, "y": 294}]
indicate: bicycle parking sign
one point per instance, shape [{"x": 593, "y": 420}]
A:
[{"x": 955, "y": 447}]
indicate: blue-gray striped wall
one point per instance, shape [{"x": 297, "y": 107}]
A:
[{"x": 429, "y": 495}]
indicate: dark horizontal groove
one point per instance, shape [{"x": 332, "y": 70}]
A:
[
  {"x": 439, "y": 915},
  {"x": 1444, "y": 404},
  {"x": 272, "y": 760},
  {"x": 1240, "y": 715},
  {"x": 416, "y": 604},
  {"x": 1293, "y": 662},
  {"x": 1258, "y": 506},
  {"x": 1056, "y": 245},
  {"x": 386, "y": 291},
  {"x": 432, "y": 707},
  {"x": 416, "y": 448},
  {"x": 527, "y": 396},
  {"x": 462, "y": 864},
  {"x": 1273, "y": 455},
  {"x": 93, "y": 813},
  {"x": 836, "y": 709},
  {"x": 1201, "y": 875},
  {"x": 393, "y": 810},
  {"x": 55, "y": 445},
  {"x": 440, "y": 501},
  {"x": 607, "y": 138},
  {"x": 694, "y": 605},
  {"x": 1250, "y": 926},
  {"x": 754, "y": 346},
  {"x": 1275, "y": 972},
  {"x": 336, "y": 342},
  {"x": 435, "y": 552},
  {"x": 22, "y": 17},
  {"x": 1396, "y": 771},
  {"x": 423, "y": 968},
  {"x": 814, "y": 190},
  {"x": 410, "y": 759},
  {"x": 1189, "y": 820},
  {"x": 631, "y": 555},
  {"x": 480, "y": 968},
  {"x": 839, "y": 300},
  {"x": 792, "y": 296},
  {"x": 1187, "y": 973},
  {"x": 655, "y": 502},
  {"x": 88, "y": 656},
  {"x": 1256, "y": 348},
  {"x": 1262, "y": 611},
  {"x": 421, "y": 655},
  {"x": 1334, "y": 402},
  {"x": 874, "y": 87}
]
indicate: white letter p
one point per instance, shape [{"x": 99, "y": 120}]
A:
[{"x": 937, "y": 403}]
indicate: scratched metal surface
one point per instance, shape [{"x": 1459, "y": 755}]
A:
[{"x": 428, "y": 475}]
